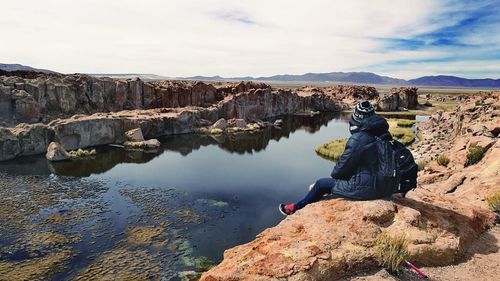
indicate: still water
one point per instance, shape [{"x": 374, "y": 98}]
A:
[{"x": 227, "y": 187}]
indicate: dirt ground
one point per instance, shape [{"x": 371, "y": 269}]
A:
[{"x": 481, "y": 262}]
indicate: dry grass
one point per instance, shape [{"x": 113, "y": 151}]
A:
[
  {"x": 422, "y": 164},
  {"x": 392, "y": 251},
  {"x": 493, "y": 201}
]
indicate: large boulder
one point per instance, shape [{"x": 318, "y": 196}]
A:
[
  {"x": 55, "y": 152},
  {"x": 220, "y": 124},
  {"x": 134, "y": 135}
]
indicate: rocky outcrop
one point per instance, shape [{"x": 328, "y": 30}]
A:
[
  {"x": 334, "y": 238},
  {"x": 105, "y": 128},
  {"x": 264, "y": 103},
  {"x": 24, "y": 140},
  {"x": 398, "y": 98},
  {"x": 348, "y": 94},
  {"x": 476, "y": 116},
  {"x": 48, "y": 97}
]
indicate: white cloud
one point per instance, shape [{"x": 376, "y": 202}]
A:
[{"x": 224, "y": 37}]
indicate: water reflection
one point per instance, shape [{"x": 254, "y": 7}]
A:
[{"x": 109, "y": 157}]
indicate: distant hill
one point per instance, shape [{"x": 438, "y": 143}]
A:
[
  {"x": 329, "y": 77},
  {"x": 366, "y": 78},
  {"x": 131, "y": 75},
  {"x": 453, "y": 81},
  {"x": 20, "y": 67},
  {"x": 341, "y": 77}
]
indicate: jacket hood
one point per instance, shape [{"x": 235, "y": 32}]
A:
[{"x": 375, "y": 125}]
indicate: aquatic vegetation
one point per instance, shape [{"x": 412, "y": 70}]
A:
[
  {"x": 474, "y": 155},
  {"x": 188, "y": 216},
  {"x": 81, "y": 153},
  {"x": 442, "y": 160},
  {"x": 391, "y": 251},
  {"x": 214, "y": 203},
  {"x": 124, "y": 264},
  {"x": 35, "y": 269},
  {"x": 332, "y": 150},
  {"x": 493, "y": 201},
  {"x": 143, "y": 234},
  {"x": 216, "y": 131}
]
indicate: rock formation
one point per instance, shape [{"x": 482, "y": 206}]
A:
[
  {"x": 80, "y": 111},
  {"x": 348, "y": 94},
  {"x": 476, "y": 117},
  {"x": 398, "y": 98}
]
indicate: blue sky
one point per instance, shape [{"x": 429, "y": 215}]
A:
[
  {"x": 468, "y": 32},
  {"x": 399, "y": 38}
]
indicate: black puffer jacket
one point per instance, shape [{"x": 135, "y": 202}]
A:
[{"x": 355, "y": 172}]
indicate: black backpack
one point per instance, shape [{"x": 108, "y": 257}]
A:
[{"x": 397, "y": 170}]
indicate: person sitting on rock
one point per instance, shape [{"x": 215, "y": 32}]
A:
[{"x": 354, "y": 176}]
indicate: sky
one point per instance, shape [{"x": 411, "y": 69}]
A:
[{"x": 179, "y": 38}]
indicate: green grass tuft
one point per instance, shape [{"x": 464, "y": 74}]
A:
[
  {"x": 443, "y": 160},
  {"x": 332, "y": 150},
  {"x": 475, "y": 154},
  {"x": 405, "y": 123},
  {"x": 392, "y": 251}
]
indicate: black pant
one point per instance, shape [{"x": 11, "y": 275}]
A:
[{"x": 320, "y": 188}]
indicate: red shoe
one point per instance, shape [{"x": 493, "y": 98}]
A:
[{"x": 287, "y": 210}]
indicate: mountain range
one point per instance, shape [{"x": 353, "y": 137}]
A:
[
  {"x": 364, "y": 78},
  {"x": 330, "y": 77},
  {"x": 20, "y": 67}
]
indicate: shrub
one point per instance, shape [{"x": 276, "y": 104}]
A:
[
  {"x": 422, "y": 164},
  {"x": 392, "y": 251},
  {"x": 443, "y": 160},
  {"x": 475, "y": 154},
  {"x": 332, "y": 150},
  {"x": 493, "y": 201}
]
